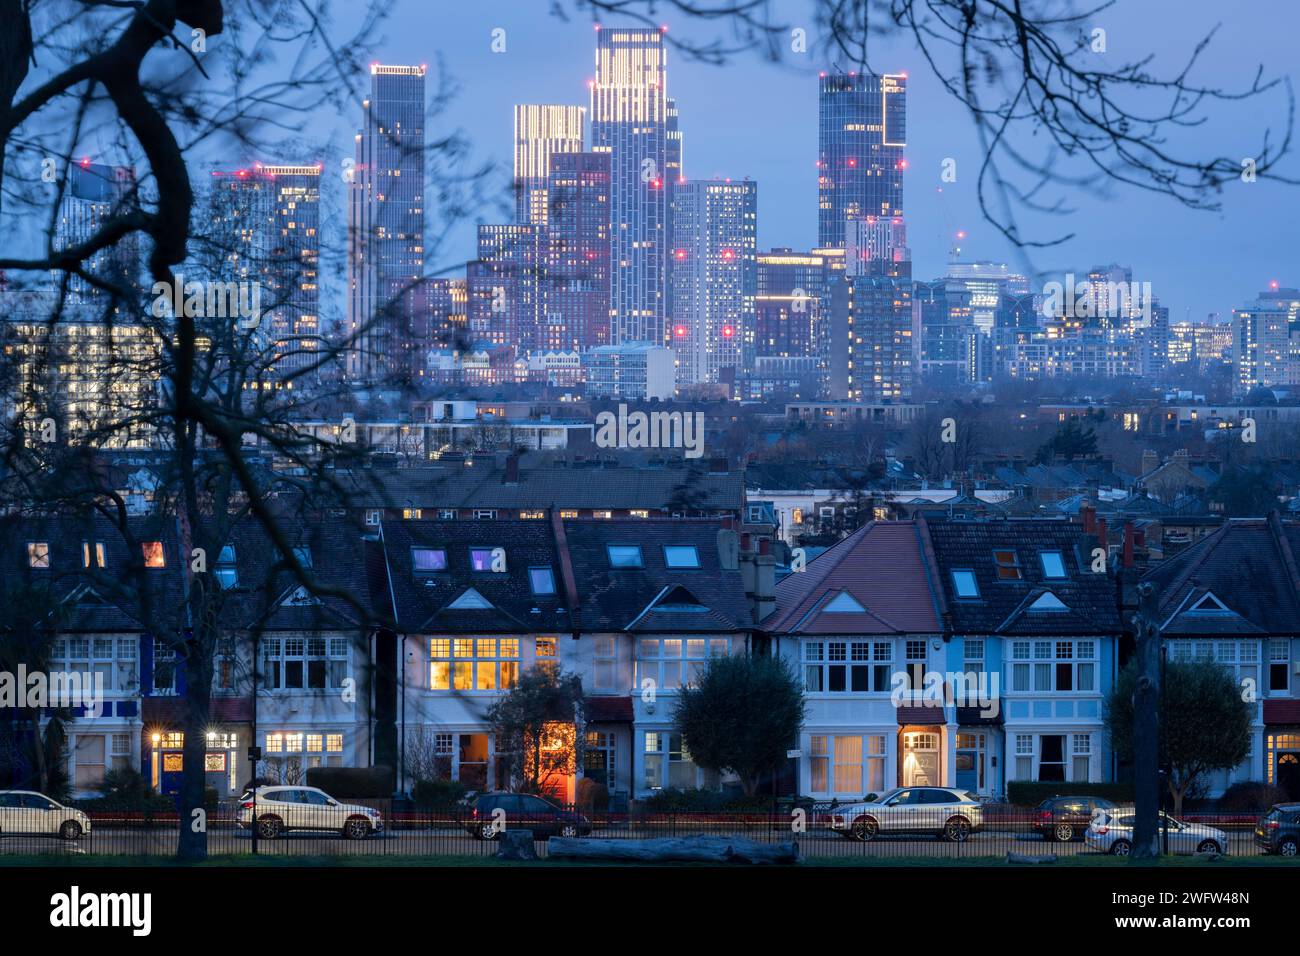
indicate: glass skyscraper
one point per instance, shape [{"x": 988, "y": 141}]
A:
[
  {"x": 386, "y": 304},
  {"x": 541, "y": 130},
  {"x": 629, "y": 120},
  {"x": 861, "y": 134}
]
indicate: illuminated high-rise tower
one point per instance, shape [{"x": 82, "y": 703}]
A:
[
  {"x": 861, "y": 132},
  {"x": 386, "y": 304},
  {"x": 95, "y": 193},
  {"x": 715, "y": 278},
  {"x": 541, "y": 131},
  {"x": 629, "y": 120}
]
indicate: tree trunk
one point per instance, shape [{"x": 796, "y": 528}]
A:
[
  {"x": 193, "y": 841},
  {"x": 1146, "y": 729}
]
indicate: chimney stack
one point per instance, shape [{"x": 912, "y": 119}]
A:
[
  {"x": 1089, "y": 514},
  {"x": 1128, "y": 544}
]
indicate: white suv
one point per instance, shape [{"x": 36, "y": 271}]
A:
[
  {"x": 24, "y": 811},
  {"x": 946, "y": 813},
  {"x": 306, "y": 808}
]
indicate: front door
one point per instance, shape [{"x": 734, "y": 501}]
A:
[
  {"x": 920, "y": 759},
  {"x": 970, "y": 761},
  {"x": 1288, "y": 776}
]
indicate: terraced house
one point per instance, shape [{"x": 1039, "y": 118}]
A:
[
  {"x": 1234, "y": 597},
  {"x": 951, "y": 653},
  {"x": 634, "y": 607}
]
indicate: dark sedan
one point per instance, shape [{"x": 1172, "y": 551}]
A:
[
  {"x": 1278, "y": 831},
  {"x": 1066, "y": 818},
  {"x": 494, "y": 812}
]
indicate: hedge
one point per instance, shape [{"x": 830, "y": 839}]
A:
[
  {"x": 1028, "y": 794},
  {"x": 352, "y": 782}
]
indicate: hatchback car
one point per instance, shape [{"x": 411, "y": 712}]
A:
[
  {"x": 280, "y": 809},
  {"x": 1067, "y": 818},
  {"x": 1278, "y": 831},
  {"x": 493, "y": 812},
  {"x": 1112, "y": 832},
  {"x": 27, "y": 812},
  {"x": 948, "y": 814}
]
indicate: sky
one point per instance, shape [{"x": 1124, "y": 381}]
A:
[{"x": 757, "y": 119}]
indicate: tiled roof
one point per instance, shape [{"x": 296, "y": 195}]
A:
[
  {"x": 1003, "y": 606},
  {"x": 422, "y": 600},
  {"x": 1250, "y": 566},
  {"x": 615, "y": 599},
  {"x": 453, "y": 485},
  {"x": 882, "y": 566}
]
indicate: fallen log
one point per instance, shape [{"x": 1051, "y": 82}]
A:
[
  {"x": 1025, "y": 858},
  {"x": 696, "y": 849}
]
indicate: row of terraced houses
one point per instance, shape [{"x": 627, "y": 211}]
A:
[{"x": 1025, "y": 629}]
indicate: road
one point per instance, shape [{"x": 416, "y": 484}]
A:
[{"x": 813, "y": 844}]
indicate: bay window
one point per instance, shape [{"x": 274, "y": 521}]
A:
[
  {"x": 847, "y": 666},
  {"x": 1054, "y": 665}
]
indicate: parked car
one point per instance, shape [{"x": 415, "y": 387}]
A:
[
  {"x": 280, "y": 809},
  {"x": 1278, "y": 831},
  {"x": 27, "y": 812},
  {"x": 946, "y": 813},
  {"x": 1067, "y": 818},
  {"x": 1112, "y": 832},
  {"x": 493, "y": 812}
]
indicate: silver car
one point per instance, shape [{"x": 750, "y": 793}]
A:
[
  {"x": 1111, "y": 831},
  {"x": 27, "y": 812},
  {"x": 306, "y": 808},
  {"x": 944, "y": 812}
]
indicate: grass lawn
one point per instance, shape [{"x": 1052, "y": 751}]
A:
[{"x": 248, "y": 860}]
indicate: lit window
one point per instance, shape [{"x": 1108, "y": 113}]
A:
[
  {"x": 372, "y": 516},
  {"x": 93, "y": 551},
  {"x": 1053, "y": 564},
  {"x": 964, "y": 584},
  {"x": 38, "y": 554},
  {"x": 681, "y": 556},
  {"x": 153, "y": 554},
  {"x": 624, "y": 555},
  {"x": 485, "y": 663},
  {"x": 568, "y": 514},
  {"x": 412, "y": 514},
  {"x": 532, "y": 514},
  {"x": 484, "y": 559},
  {"x": 542, "y": 580},
  {"x": 226, "y": 571},
  {"x": 429, "y": 559},
  {"x": 1008, "y": 565}
]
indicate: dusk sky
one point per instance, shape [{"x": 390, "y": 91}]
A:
[{"x": 756, "y": 119}]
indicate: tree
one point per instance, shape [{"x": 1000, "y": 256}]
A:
[
  {"x": 1072, "y": 440},
  {"x": 1204, "y": 722},
  {"x": 1245, "y": 491},
  {"x": 540, "y": 728},
  {"x": 741, "y": 716}
]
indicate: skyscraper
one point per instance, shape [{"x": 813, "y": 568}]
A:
[
  {"x": 504, "y": 285},
  {"x": 1262, "y": 333},
  {"x": 540, "y": 132},
  {"x": 94, "y": 193},
  {"x": 263, "y": 225},
  {"x": 386, "y": 228},
  {"x": 872, "y": 345},
  {"x": 575, "y": 287},
  {"x": 861, "y": 134},
  {"x": 629, "y": 120},
  {"x": 715, "y": 278}
]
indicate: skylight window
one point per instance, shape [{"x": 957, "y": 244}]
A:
[
  {"x": 681, "y": 556},
  {"x": 38, "y": 554},
  {"x": 963, "y": 582},
  {"x": 541, "y": 580},
  {"x": 624, "y": 555},
  {"x": 1008, "y": 565},
  {"x": 428, "y": 559},
  {"x": 1053, "y": 564},
  {"x": 227, "y": 571},
  {"x": 487, "y": 559}
]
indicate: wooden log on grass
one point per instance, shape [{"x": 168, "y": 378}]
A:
[{"x": 696, "y": 849}]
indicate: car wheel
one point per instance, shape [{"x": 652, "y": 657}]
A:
[
  {"x": 1063, "y": 832},
  {"x": 357, "y": 828},
  {"x": 1121, "y": 848},
  {"x": 568, "y": 830},
  {"x": 956, "y": 830},
  {"x": 268, "y": 828},
  {"x": 1209, "y": 846},
  {"x": 1287, "y": 847},
  {"x": 487, "y": 831},
  {"x": 864, "y": 829},
  {"x": 71, "y": 830}
]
